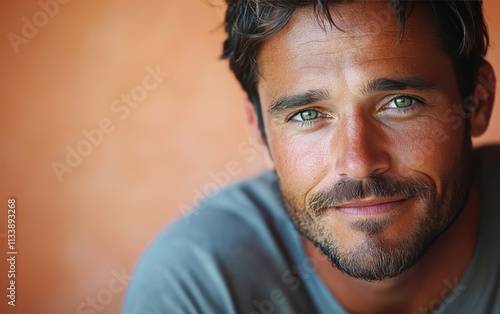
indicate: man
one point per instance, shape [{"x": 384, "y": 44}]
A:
[{"x": 377, "y": 202}]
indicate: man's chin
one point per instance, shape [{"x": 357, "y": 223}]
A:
[
  {"x": 372, "y": 267},
  {"x": 373, "y": 257}
]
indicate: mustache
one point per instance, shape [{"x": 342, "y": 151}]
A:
[{"x": 349, "y": 190}]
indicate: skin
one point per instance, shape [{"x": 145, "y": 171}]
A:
[{"x": 356, "y": 132}]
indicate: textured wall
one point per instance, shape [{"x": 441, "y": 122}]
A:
[{"x": 114, "y": 116}]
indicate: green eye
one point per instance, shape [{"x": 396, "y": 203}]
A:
[
  {"x": 403, "y": 101},
  {"x": 306, "y": 115}
]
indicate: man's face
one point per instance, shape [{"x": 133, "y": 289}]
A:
[{"x": 370, "y": 166}]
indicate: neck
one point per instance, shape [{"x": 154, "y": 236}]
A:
[{"x": 418, "y": 290}]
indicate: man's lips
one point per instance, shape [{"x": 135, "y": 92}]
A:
[{"x": 371, "y": 206}]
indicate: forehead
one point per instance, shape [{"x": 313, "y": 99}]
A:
[{"x": 365, "y": 36}]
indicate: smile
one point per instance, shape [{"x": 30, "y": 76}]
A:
[{"x": 368, "y": 207}]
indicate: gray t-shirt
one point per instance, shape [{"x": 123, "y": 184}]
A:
[{"x": 238, "y": 252}]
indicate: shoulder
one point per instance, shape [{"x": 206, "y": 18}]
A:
[
  {"x": 234, "y": 215},
  {"x": 197, "y": 263}
]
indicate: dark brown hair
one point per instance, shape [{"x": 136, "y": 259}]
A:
[{"x": 249, "y": 23}]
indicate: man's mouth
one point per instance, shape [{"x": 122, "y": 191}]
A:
[{"x": 371, "y": 206}]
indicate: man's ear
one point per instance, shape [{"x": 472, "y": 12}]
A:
[
  {"x": 253, "y": 125},
  {"x": 484, "y": 97}
]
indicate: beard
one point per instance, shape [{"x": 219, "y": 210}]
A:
[{"x": 374, "y": 257}]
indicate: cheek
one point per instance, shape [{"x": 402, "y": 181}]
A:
[
  {"x": 429, "y": 146},
  {"x": 301, "y": 161}
]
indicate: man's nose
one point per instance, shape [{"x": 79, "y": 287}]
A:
[{"x": 359, "y": 146}]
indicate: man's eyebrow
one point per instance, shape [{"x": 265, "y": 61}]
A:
[
  {"x": 288, "y": 102},
  {"x": 388, "y": 84}
]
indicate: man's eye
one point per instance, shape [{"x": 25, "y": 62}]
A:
[
  {"x": 306, "y": 115},
  {"x": 402, "y": 102}
]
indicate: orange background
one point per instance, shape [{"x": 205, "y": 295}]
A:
[{"x": 76, "y": 234}]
